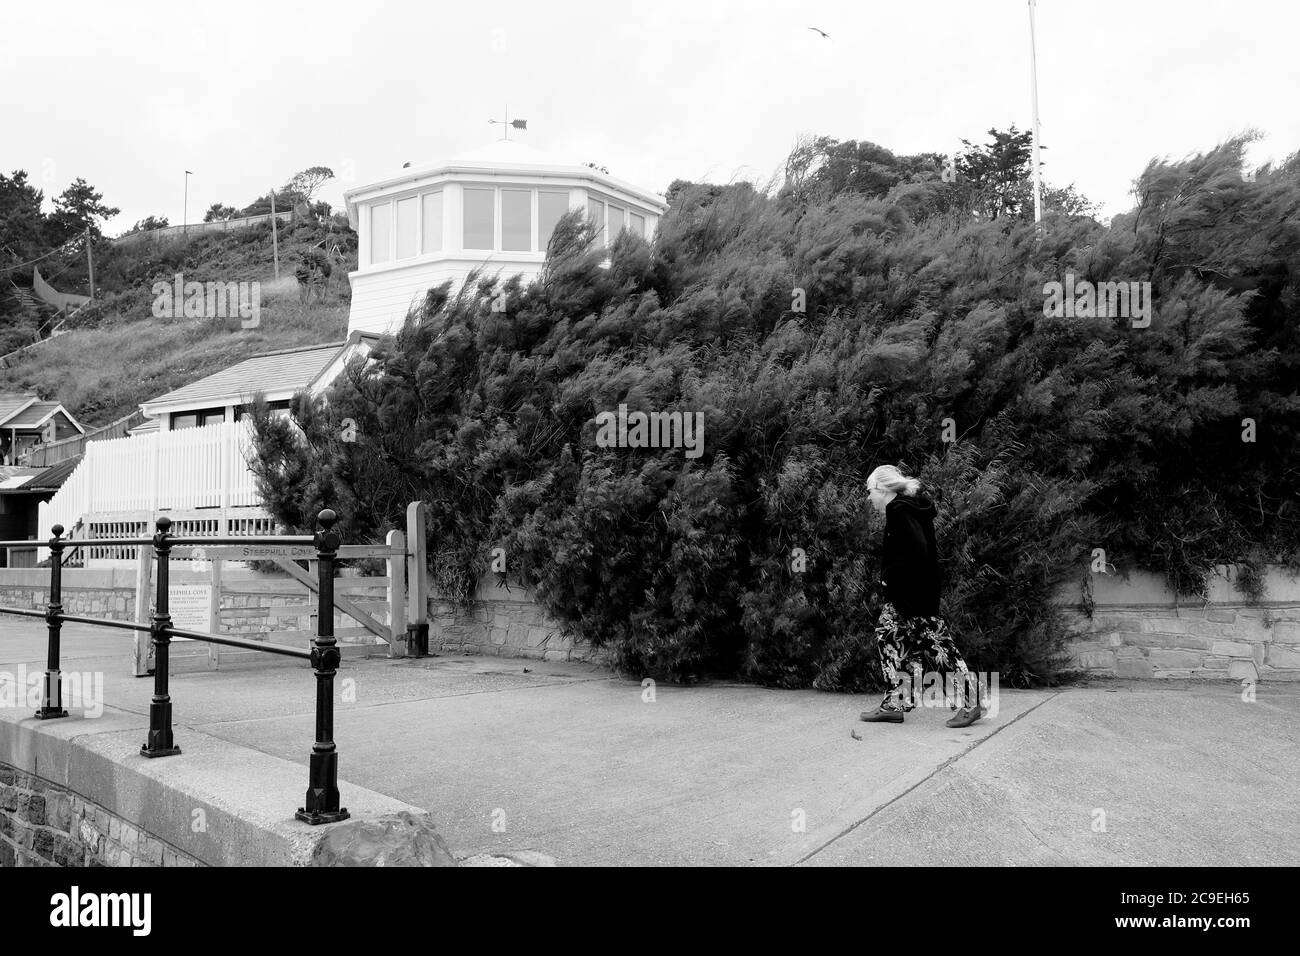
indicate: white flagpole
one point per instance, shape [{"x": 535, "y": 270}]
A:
[{"x": 1033, "y": 76}]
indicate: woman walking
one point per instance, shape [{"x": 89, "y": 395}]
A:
[{"x": 911, "y": 629}]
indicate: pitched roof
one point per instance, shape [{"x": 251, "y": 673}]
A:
[
  {"x": 26, "y": 478},
  {"x": 12, "y": 402},
  {"x": 272, "y": 372},
  {"x": 33, "y": 415},
  {"x": 55, "y": 475}
]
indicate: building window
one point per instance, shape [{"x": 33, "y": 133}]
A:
[
  {"x": 550, "y": 208},
  {"x": 380, "y": 225},
  {"x": 280, "y": 407},
  {"x": 498, "y": 219},
  {"x": 478, "y": 225},
  {"x": 516, "y": 220},
  {"x": 432, "y": 222},
  {"x": 197, "y": 419},
  {"x": 406, "y": 228},
  {"x": 506, "y": 219}
]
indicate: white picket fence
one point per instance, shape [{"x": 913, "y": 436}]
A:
[{"x": 186, "y": 469}]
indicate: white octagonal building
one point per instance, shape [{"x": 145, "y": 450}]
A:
[{"x": 492, "y": 209}]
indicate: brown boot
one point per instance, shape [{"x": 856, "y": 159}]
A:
[
  {"x": 971, "y": 710},
  {"x": 889, "y": 711},
  {"x": 882, "y": 715},
  {"x": 965, "y": 717}
]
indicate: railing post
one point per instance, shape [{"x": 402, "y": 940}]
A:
[
  {"x": 52, "y": 700},
  {"x": 160, "y": 742},
  {"x": 322, "y": 803}
]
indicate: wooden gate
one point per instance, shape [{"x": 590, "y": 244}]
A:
[{"x": 209, "y": 599}]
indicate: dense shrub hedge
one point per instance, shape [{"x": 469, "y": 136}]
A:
[{"x": 922, "y": 324}]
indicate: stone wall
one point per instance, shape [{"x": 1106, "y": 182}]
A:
[
  {"x": 42, "y": 824},
  {"x": 248, "y": 598},
  {"x": 108, "y": 592},
  {"x": 247, "y": 607},
  {"x": 1140, "y": 629},
  {"x": 503, "y": 622}
]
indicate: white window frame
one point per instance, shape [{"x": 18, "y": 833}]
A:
[
  {"x": 534, "y": 191},
  {"x": 392, "y": 233},
  {"x": 442, "y": 237},
  {"x": 628, "y": 210},
  {"x": 537, "y": 212},
  {"x": 496, "y": 216},
  {"x": 497, "y": 190},
  {"x": 604, "y": 215},
  {"x": 532, "y": 212},
  {"x": 419, "y": 236}
]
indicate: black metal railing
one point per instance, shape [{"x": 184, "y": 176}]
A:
[{"x": 322, "y": 801}]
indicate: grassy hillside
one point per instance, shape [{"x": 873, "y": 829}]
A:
[{"x": 119, "y": 354}]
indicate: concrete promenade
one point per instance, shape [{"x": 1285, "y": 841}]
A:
[{"x": 567, "y": 760}]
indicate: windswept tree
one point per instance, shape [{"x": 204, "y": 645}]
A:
[
  {"x": 22, "y": 224},
  {"x": 992, "y": 180},
  {"x": 284, "y": 200},
  {"x": 822, "y": 167},
  {"x": 307, "y": 182},
  {"x": 997, "y": 177},
  {"x": 313, "y": 272},
  {"x": 219, "y": 212},
  {"x": 149, "y": 223},
  {"x": 817, "y": 339},
  {"x": 31, "y": 239},
  {"x": 78, "y": 208}
]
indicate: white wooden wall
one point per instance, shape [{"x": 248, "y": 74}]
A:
[{"x": 191, "y": 468}]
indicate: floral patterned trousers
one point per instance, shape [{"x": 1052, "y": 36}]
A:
[{"x": 904, "y": 642}]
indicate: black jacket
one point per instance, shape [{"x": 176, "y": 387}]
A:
[{"x": 911, "y": 560}]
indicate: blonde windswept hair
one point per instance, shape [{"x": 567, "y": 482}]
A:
[{"x": 890, "y": 478}]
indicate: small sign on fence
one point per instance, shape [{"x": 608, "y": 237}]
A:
[{"x": 188, "y": 605}]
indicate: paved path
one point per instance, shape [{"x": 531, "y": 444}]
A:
[{"x": 567, "y": 760}]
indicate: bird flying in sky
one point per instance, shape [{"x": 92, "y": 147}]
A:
[{"x": 822, "y": 32}]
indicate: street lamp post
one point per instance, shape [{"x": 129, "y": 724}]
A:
[
  {"x": 1033, "y": 79},
  {"x": 185, "y": 210}
]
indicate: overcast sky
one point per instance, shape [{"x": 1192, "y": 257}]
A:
[{"x": 129, "y": 95}]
